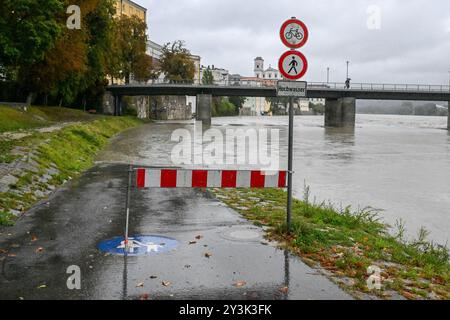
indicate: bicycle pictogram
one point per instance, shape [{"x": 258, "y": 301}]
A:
[{"x": 294, "y": 33}]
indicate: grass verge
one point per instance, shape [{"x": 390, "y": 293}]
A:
[
  {"x": 14, "y": 119},
  {"x": 345, "y": 244},
  {"x": 53, "y": 158}
]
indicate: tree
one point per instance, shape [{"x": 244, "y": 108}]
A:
[
  {"x": 28, "y": 29},
  {"x": 131, "y": 44},
  {"x": 176, "y": 62},
  {"x": 144, "y": 69},
  {"x": 208, "y": 78},
  {"x": 238, "y": 102},
  {"x": 78, "y": 59},
  {"x": 66, "y": 58},
  {"x": 275, "y": 103},
  {"x": 222, "y": 107}
]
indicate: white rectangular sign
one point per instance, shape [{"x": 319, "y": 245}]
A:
[{"x": 295, "y": 89}]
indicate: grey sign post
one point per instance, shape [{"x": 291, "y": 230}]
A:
[{"x": 291, "y": 89}]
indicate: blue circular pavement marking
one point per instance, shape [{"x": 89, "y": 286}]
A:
[{"x": 138, "y": 245}]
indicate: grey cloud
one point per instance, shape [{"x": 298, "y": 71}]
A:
[{"x": 413, "y": 44}]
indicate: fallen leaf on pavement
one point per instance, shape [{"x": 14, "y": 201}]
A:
[
  {"x": 144, "y": 296},
  {"x": 192, "y": 242},
  {"x": 284, "y": 290},
  {"x": 153, "y": 277},
  {"x": 40, "y": 249},
  {"x": 12, "y": 255},
  {"x": 409, "y": 295},
  {"x": 42, "y": 286},
  {"x": 140, "y": 284},
  {"x": 3, "y": 251},
  {"x": 198, "y": 237},
  {"x": 166, "y": 283},
  {"x": 208, "y": 255},
  {"x": 240, "y": 284},
  {"x": 34, "y": 238}
]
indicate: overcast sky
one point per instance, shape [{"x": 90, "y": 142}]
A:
[{"x": 412, "y": 44}]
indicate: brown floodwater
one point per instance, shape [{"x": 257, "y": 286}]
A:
[{"x": 400, "y": 164}]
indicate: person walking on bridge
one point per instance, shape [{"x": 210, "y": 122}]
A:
[{"x": 347, "y": 83}]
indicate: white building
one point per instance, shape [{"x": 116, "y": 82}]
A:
[
  {"x": 154, "y": 50},
  {"x": 266, "y": 74},
  {"x": 221, "y": 76},
  {"x": 254, "y": 106}
]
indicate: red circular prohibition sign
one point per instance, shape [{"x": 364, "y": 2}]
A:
[
  {"x": 283, "y": 37},
  {"x": 287, "y": 75}
]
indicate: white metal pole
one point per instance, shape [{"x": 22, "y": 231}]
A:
[
  {"x": 127, "y": 203},
  {"x": 290, "y": 163}
]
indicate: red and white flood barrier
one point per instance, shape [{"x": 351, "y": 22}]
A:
[{"x": 181, "y": 178}]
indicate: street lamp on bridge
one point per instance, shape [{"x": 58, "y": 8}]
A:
[
  {"x": 328, "y": 74},
  {"x": 449, "y": 81},
  {"x": 348, "y": 62}
]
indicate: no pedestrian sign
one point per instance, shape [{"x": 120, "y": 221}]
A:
[
  {"x": 293, "y": 65},
  {"x": 296, "y": 89}
]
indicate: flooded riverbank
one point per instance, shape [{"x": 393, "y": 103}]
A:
[{"x": 400, "y": 164}]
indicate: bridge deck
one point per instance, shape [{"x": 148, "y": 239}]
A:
[{"x": 329, "y": 91}]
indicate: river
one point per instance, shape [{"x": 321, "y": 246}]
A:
[{"x": 400, "y": 164}]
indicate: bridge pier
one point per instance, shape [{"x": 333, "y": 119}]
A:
[
  {"x": 448, "y": 117},
  {"x": 340, "y": 112},
  {"x": 204, "y": 109}
]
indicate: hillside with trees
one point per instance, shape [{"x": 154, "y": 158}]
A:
[{"x": 42, "y": 61}]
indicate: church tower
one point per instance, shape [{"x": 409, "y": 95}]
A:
[{"x": 259, "y": 67}]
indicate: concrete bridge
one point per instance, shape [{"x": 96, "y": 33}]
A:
[{"x": 340, "y": 105}]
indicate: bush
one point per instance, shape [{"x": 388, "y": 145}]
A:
[{"x": 223, "y": 108}]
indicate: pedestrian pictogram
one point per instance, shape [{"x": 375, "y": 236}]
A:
[
  {"x": 294, "y": 33},
  {"x": 293, "y": 65}
]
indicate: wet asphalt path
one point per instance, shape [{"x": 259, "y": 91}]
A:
[{"x": 66, "y": 230}]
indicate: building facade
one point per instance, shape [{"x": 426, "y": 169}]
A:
[
  {"x": 172, "y": 107},
  {"x": 129, "y": 8},
  {"x": 265, "y": 74},
  {"x": 221, "y": 76}
]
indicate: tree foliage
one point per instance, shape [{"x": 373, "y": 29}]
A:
[
  {"x": 222, "y": 107},
  {"x": 130, "y": 46},
  {"x": 208, "y": 78},
  {"x": 41, "y": 57},
  {"x": 143, "y": 70},
  {"x": 238, "y": 102},
  {"x": 176, "y": 62},
  {"x": 28, "y": 28}
]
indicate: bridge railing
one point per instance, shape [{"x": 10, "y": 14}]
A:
[
  {"x": 271, "y": 83},
  {"x": 381, "y": 86}
]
